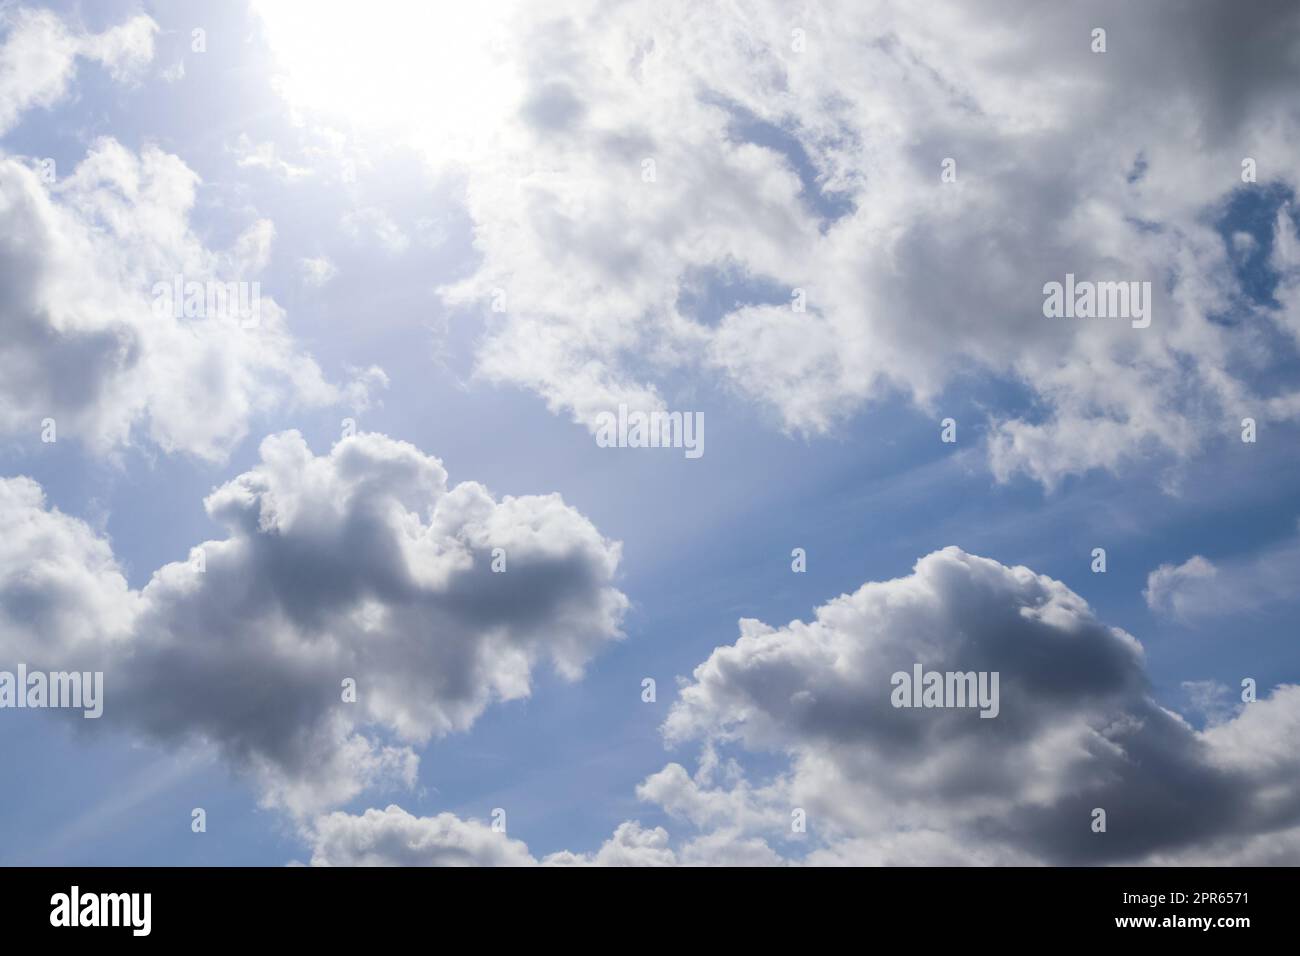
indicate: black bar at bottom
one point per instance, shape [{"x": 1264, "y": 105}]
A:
[{"x": 337, "y": 905}]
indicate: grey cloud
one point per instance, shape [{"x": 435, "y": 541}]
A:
[
  {"x": 553, "y": 108},
  {"x": 363, "y": 564},
  {"x": 1078, "y": 729}
]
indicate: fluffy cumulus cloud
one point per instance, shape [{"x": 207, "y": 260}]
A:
[
  {"x": 393, "y": 837},
  {"x": 39, "y": 53},
  {"x": 97, "y": 338},
  {"x": 363, "y": 564},
  {"x": 90, "y": 262},
  {"x": 61, "y": 586},
  {"x": 1077, "y": 729},
  {"x": 649, "y": 184}
]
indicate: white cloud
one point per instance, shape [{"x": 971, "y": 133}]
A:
[
  {"x": 85, "y": 344},
  {"x": 250, "y": 155},
  {"x": 630, "y": 845},
  {"x": 360, "y": 564},
  {"x": 38, "y": 58},
  {"x": 61, "y": 586},
  {"x": 317, "y": 271},
  {"x": 393, "y": 837},
  {"x": 819, "y": 169},
  {"x": 1242, "y": 584},
  {"x": 1211, "y": 699},
  {"x": 1285, "y": 262},
  {"x": 1172, "y": 588}
]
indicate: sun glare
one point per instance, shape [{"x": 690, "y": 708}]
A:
[{"x": 434, "y": 72}]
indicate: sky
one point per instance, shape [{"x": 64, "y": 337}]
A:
[{"x": 468, "y": 236}]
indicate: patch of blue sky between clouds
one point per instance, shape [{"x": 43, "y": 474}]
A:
[{"x": 745, "y": 127}]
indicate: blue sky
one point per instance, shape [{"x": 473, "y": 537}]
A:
[{"x": 856, "y": 474}]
